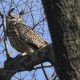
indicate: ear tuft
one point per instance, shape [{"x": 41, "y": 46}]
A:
[
  {"x": 10, "y": 11},
  {"x": 21, "y": 13}
]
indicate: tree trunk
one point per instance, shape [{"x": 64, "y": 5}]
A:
[{"x": 63, "y": 18}]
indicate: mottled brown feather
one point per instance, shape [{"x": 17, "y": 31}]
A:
[{"x": 21, "y": 37}]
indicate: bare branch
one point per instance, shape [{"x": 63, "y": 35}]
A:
[
  {"x": 23, "y": 63},
  {"x": 44, "y": 72},
  {"x": 39, "y": 23},
  {"x": 5, "y": 35}
]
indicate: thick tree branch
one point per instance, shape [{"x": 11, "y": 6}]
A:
[{"x": 25, "y": 63}]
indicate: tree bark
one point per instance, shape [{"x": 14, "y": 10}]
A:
[{"x": 63, "y": 18}]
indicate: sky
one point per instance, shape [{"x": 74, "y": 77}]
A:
[{"x": 34, "y": 13}]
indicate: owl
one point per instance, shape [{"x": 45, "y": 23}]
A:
[{"x": 21, "y": 36}]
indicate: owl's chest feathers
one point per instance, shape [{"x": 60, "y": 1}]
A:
[{"x": 13, "y": 30}]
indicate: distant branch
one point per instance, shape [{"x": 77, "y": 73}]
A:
[{"x": 39, "y": 22}]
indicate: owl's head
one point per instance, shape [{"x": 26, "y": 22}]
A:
[{"x": 12, "y": 18}]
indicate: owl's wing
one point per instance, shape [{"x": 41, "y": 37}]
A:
[{"x": 31, "y": 37}]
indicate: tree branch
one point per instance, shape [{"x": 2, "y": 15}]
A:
[
  {"x": 27, "y": 62},
  {"x": 5, "y": 35}
]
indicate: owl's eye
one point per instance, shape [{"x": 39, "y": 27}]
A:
[{"x": 10, "y": 17}]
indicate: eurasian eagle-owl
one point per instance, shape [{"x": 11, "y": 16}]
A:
[{"x": 21, "y": 37}]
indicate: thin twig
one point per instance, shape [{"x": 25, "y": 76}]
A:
[
  {"x": 39, "y": 22},
  {"x": 44, "y": 72},
  {"x": 5, "y": 36},
  {"x": 47, "y": 66}
]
